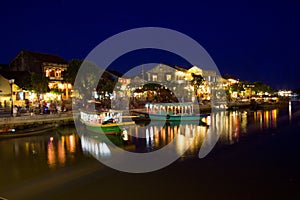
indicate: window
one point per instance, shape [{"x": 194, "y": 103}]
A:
[
  {"x": 51, "y": 73},
  {"x": 58, "y": 73},
  {"x": 47, "y": 72},
  {"x": 154, "y": 77},
  {"x": 20, "y": 96},
  {"x": 168, "y": 77}
]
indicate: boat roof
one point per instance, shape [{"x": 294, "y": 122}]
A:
[{"x": 170, "y": 104}]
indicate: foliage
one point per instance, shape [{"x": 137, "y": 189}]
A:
[
  {"x": 39, "y": 83},
  {"x": 196, "y": 82},
  {"x": 262, "y": 87},
  {"x": 71, "y": 73},
  {"x": 237, "y": 87},
  {"x": 228, "y": 76},
  {"x": 151, "y": 86},
  {"x": 86, "y": 79},
  {"x": 55, "y": 91},
  {"x": 106, "y": 85}
]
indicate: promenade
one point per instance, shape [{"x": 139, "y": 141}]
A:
[{"x": 36, "y": 120}]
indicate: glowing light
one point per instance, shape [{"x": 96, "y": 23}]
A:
[
  {"x": 290, "y": 111},
  {"x": 72, "y": 143}
]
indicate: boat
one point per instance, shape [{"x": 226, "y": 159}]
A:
[
  {"x": 14, "y": 133},
  {"x": 108, "y": 122},
  {"x": 172, "y": 123},
  {"x": 169, "y": 112}
]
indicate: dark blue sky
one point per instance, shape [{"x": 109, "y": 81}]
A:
[{"x": 250, "y": 40}]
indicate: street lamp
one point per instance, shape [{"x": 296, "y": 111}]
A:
[{"x": 11, "y": 82}]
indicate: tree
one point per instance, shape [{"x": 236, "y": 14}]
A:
[
  {"x": 237, "y": 87},
  {"x": 106, "y": 85},
  {"x": 71, "y": 73},
  {"x": 196, "y": 82},
  {"x": 39, "y": 83},
  {"x": 86, "y": 79},
  {"x": 229, "y": 76},
  {"x": 262, "y": 87}
]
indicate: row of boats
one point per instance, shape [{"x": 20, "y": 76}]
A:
[{"x": 113, "y": 121}]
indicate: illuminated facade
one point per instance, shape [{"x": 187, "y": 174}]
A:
[
  {"x": 51, "y": 66},
  {"x": 5, "y": 93},
  {"x": 178, "y": 80}
]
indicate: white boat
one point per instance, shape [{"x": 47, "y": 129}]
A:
[{"x": 107, "y": 122}]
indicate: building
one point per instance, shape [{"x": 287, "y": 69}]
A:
[
  {"x": 51, "y": 66},
  {"x": 5, "y": 93},
  {"x": 20, "y": 95},
  {"x": 176, "y": 79}
]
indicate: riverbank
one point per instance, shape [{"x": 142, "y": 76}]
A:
[
  {"x": 10, "y": 124},
  {"x": 247, "y": 105}
]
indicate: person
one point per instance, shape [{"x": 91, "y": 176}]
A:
[{"x": 15, "y": 111}]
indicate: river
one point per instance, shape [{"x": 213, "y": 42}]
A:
[{"x": 60, "y": 163}]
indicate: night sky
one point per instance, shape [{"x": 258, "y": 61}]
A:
[{"x": 250, "y": 40}]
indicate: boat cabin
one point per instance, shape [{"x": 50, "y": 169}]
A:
[{"x": 170, "y": 108}]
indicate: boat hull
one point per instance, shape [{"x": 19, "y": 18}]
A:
[
  {"x": 27, "y": 132},
  {"x": 157, "y": 117},
  {"x": 104, "y": 129}
]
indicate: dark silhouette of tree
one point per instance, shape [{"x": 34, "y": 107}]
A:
[
  {"x": 39, "y": 83},
  {"x": 262, "y": 87},
  {"x": 86, "y": 80},
  {"x": 237, "y": 87},
  {"x": 228, "y": 76},
  {"x": 71, "y": 73},
  {"x": 196, "y": 82}
]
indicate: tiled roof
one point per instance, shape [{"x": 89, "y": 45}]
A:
[{"x": 43, "y": 57}]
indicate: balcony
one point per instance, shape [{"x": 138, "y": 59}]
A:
[{"x": 53, "y": 78}]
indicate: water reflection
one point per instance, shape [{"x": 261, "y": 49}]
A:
[
  {"x": 61, "y": 148},
  {"x": 266, "y": 118},
  {"x": 23, "y": 156},
  {"x": 227, "y": 126},
  {"x": 290, "y": 111}
]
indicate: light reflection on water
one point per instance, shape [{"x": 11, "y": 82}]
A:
[
  {"x": 27, "y": 157},
  {"x": 228, "y": 125}
]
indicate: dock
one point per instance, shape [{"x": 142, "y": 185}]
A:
[{"x": 36, "y": 120}]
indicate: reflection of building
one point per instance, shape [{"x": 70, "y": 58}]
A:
[{"x": 51, "y": 66}]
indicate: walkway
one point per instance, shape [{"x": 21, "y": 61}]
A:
[{"x": 27, "y": 120}]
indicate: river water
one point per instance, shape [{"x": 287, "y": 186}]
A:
[{"x": 27, "y": 162}]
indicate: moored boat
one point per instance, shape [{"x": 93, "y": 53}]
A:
[
  {"x": 170, "y": 112},
  {"x": 33, "y": 131},
  {"x": 108, "y": 122}
]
